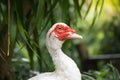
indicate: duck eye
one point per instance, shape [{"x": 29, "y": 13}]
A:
[{"x": 59, "y": 28}]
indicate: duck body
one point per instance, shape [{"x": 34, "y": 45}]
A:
[{"x": 65, "y": 67}]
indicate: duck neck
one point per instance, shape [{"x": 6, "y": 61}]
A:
[
  {"x": 56, "y": 55},
  {"x": 60, "y": 60},
  {"x": 64, "y": 64}
]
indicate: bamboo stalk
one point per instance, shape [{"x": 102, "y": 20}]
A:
[{"x": 8, "y": 45}]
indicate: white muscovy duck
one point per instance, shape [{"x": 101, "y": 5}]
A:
[{"x": 65, "y": 67}]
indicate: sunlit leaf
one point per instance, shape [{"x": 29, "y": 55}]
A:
[
  {"x": 89, "y": 7},
  {"x": 82, "y": 3},
  {"x": 101, "y": 8},
  {"x": 96, "y": 6}
]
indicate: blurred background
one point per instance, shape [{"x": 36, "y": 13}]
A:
[{"x": 23, "y": 28}]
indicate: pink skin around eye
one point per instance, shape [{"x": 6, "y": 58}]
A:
[{"x": 62, "y": 32}]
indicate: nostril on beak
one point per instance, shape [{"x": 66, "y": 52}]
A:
[{"x": 72, "y": 30}]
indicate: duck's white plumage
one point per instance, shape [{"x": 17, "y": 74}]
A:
[{"x": 65, "y": 67}]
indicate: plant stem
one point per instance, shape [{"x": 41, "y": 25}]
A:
[{"x": 8, "y": 45}]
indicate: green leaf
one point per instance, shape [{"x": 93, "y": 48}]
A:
[
  {"x": 96, "y": 6},
  {"x": 82, "y": 3},
  {"x": 64, "y": 4},
  {"x": 88, "y": 9},
  {"x": 52, "y": 7},
  {"x": 40, "y": 14},
  {"x": 19, "y": 9},
  {"x": 116, "y": 74},
  {"x": 95, "y": 15},
  {"x": 13, "y": 31},
  {"x": 21, "y": 29},
  {"x": 78, "y": 8},
  {"x": 101, "y": 8},
  {"x": 93, "y": 21},
  {"x": 19, "y": 19}
]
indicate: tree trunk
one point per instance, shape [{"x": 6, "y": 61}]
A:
[{"x": 5, "y": 67}]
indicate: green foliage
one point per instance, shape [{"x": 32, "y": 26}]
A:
[
  {"x": 34, "y": 18},
  {"x": 107, "y": 72},
  {"x": 31, "y": 19},
  {"x": 110, "y": 30}
]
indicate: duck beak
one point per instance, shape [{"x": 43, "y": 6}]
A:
[{"x": 74, "y": 36}]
